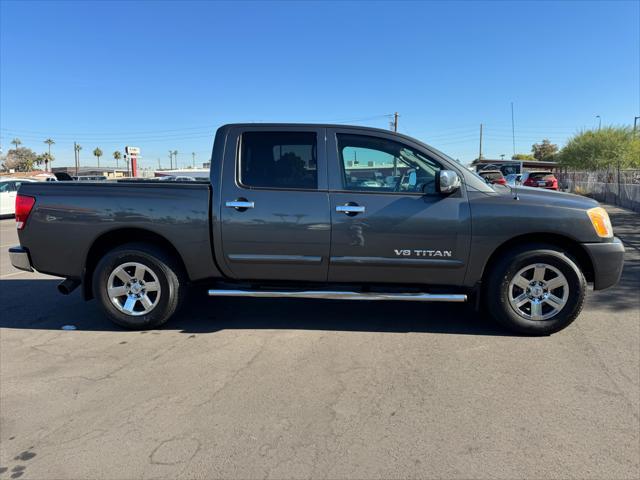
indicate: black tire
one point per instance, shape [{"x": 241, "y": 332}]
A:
[
  {"x": 169, "y": 275},
  {"x": 497, "y": 292}
]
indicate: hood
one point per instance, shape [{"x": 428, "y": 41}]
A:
[{"x": 544, "y": 197}]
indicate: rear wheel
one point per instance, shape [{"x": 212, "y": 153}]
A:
[
  {"x": 138, "y": 285},
  {"x": 535, "y": 290}
]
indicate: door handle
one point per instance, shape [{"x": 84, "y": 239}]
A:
[
  {"x": 241, "y": 204},
  {"x": 350, "y": 209}
]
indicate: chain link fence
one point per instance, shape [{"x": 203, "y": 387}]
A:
[{"x": 617, "y": 187}]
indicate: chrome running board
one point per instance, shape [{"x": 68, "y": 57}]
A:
[{"x": 338, "y": 295}]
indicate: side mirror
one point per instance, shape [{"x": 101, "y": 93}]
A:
[{"x": 448, "y": 181}]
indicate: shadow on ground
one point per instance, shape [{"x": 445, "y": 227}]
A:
[{"x": 35, "y": 304}]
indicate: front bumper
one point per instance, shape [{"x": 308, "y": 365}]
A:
[
  {"x": 20, "y": 258},
  {"x": 608, "y": 260}
]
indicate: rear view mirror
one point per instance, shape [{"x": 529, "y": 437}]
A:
[{"x": 448, "y": 181}]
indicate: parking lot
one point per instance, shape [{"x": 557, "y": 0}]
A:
[{"x": 265, "y": 388}]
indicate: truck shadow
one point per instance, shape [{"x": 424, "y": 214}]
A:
[{"x": 36, "y": 304}]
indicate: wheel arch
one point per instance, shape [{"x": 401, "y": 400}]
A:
[
  {"x": 572, "y": 247},
  {"x": 114, "y": 238}
]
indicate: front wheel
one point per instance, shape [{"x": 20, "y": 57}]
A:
[
  {"x": 535, "y": 290},
  {"x": 138, "y": 285}
]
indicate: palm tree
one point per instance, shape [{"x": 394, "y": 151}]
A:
[
  {"x": 77, "y": 147},
  {"x": 17, "y": 142},
  {"x": 117, "y": 156},
  {"x": 175, "y": 155},
  {"x": 97, "y": 153},
  {"x": 49, "y": 158}
]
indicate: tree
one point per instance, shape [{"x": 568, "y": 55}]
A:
[
  {"x": 21, "y": 159},
  {"x": 601, "y": 149},
  {"x": 45, "y": 158},
  {"x": 117, "y": 156},
  {"x": 544, "y": 151},
  {"x": 523, "y": 156},
  {"x": 49, "y": 142},
  {"x": 97, "y": 153},
  {"x": 175, "y": 155},
  {"x": 17, "y": 142}
]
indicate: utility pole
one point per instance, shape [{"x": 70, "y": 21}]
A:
[
  {"x": 170, "y": 159},
  {"x": 395, "y": 121},
  {"x": 193, "y": 156},
  {"x": 159, "y": 166},
  {"x": 635, "y": 125},
  {"x": 75, "y": 157},
  {"x": 513, "y": 131},
  {"x": 480, "y": 153}
]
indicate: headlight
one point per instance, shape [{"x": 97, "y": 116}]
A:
[{"x": 600, "y": 221}]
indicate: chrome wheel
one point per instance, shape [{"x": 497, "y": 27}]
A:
[
  {"x": 134, "y": 289},
  {"x": 538, "y": 292}
]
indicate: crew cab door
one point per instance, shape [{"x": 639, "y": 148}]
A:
[
  {"x": 389, "y": 223},
  {"x": 274, "y": 204}
]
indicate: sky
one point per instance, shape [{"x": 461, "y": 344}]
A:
[{"x": 163, "y": 75}]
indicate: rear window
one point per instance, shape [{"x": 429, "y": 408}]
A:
[
  {"x": 279, "y": 160},
  {"x": 542, "y": 176}
]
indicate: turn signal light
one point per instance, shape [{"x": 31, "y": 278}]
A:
[
  {"x": 24, "y": 204},
  {"x": 601, "y": 222}
]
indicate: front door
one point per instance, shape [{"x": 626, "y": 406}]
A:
[
  {"x": 274, "y": 205},
  {"x": 389, "y": 223}
]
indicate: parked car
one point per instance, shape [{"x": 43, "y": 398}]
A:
[
  {"x": 540, "y": 179},
  {"x": 493, "y": 177},
  {"x": 289, "y": 213},
  {"x": 514, "y": 179},
  {"x": 8, "y": 192}
]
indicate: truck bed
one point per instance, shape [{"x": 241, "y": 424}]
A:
[{"x": 72, "y": 218}]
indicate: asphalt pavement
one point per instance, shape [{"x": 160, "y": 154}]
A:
[{"x": 262, "y": 388}]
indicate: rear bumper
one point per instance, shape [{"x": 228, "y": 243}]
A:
[
  {"x": 608, "y": 260},
  {"x": 20, "y": 258}
]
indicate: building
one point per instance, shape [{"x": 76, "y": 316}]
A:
[{"x": 89, "y": 171}]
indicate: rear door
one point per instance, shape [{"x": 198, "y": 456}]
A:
[
  {"x": 274, "y": 204},
  {"x": 389, "y": 224}
]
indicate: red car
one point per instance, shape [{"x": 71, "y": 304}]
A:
[
  {"x": 540, "y": 179},
  {"x": 493, "y": 176}
]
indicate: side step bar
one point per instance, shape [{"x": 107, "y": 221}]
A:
[{"x": 338, "y": 295}]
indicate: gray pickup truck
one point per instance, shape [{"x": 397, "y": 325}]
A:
[{"x": 321, "y": 211}]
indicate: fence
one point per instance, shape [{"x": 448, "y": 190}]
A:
[{"x": 620, "y": 188}]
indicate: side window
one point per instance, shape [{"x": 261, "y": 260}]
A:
[
  {"x": 4, "y": 187},
  {"x": 279, "y": 160},
  {"x": 378, "y": 165}
]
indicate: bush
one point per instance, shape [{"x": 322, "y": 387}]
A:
[{"x": 601, "y": 149}]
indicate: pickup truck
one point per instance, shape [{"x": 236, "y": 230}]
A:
[{"x": 321, "y": 211}]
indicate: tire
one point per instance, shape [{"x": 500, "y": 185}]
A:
[
  {"x": 521, "y": 301},
  {"x": 142, "y": 303}
]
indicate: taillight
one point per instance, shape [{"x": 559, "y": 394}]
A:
[{"x": 24, "y": 204}]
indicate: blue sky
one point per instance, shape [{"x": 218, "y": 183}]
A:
[{"x": 165, "y": 75}]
